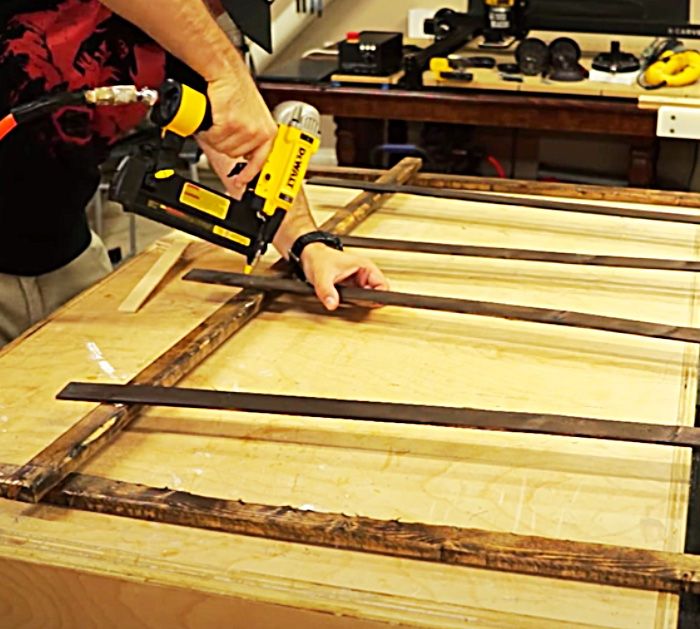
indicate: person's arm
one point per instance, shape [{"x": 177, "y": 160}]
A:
[
  {"x": 216, "y": 7},
  {"x": 324, "y": 267},
  {"x": 243, "y": 125}
]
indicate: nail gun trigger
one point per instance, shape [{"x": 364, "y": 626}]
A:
[{"x": 237, "y": 169}]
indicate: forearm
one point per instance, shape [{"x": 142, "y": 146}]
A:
[
  {"x": 297, "y": 223},
  {"x": 197, "y": 40}
]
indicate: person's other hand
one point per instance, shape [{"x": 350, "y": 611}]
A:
[
  {"x": 242, "y": 127},
  {"x": 325, "y": 267}
]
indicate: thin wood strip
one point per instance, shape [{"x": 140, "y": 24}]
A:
[
  {"x": 97, "y": 429},
  {"x": 384, "y": 412},
  {"x": 656, "y": 102},
  {"x": 523, "y": 187},
  {"x": 499, "y": 199},
  {"x": 451, "y": 304},
  {"x": 153, "y": 278},
  {"x": 500, "y": 253},
  {"x": 616, "y": 566}
]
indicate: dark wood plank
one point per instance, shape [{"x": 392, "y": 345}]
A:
[
  {"x": 383, "y": 412},
  {"x": 600, "y": 564},
  {"x": 524, "y": 187},
  {"x": 97, "y": 429},
  {"x": 460, "y": 306},
  {"x": 500, "y": 253},
  {"x": 487, "y": 197}
]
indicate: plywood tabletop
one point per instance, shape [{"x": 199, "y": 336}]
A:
[{"x": 613, "y": 493}]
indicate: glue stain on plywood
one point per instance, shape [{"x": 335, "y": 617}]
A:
[
  {"x": 104, "y": 365},
  {"x": 652, "y": 529}
]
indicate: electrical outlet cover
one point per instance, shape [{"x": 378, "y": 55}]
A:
[{"x": 416, "y": 20}]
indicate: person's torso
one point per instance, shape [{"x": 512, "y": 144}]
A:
[{"x": 49, "y": 168}]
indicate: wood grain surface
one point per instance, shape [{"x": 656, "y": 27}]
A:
[{"x": 561, "y": 488}]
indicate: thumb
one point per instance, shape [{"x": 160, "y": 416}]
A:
[{"x": 327, "y": 292}]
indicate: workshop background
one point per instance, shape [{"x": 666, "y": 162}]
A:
[
  {"x": 512, "y": 441},
  {"x": 571, "y": 157},
  {"x": 577, "y": 157}
]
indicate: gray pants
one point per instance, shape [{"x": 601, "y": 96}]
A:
[{"x": 25, "y": 301}]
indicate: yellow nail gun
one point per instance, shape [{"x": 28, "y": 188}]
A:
[{"x": 148, "y": 184}]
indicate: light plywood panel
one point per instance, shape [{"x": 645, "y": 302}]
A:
[
  {"x": 80, "y": 602},
  {"x": 576, "y": 489}
]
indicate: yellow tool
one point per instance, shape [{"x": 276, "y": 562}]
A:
[
  {"x": 151, "y": 187},
  {"x": 673, "y": 69},
  {"x": 443, "y": 70}
]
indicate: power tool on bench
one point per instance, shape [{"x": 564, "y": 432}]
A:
[
  {"x": 504, "y": 22},
  {"x": 147, "y": 183}
]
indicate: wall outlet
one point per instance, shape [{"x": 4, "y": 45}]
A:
[{"x": 416, "y": 21}]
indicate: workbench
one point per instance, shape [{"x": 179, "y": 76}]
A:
[
  {"x": 67, "y": 567},
  {"x": 535, "y": 107}
]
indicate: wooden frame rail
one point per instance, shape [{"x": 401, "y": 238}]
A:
[
  {"x": 601, "y": 564},
  {"x": 500, "y": 199},
  {"x": 522, "y": 187}
]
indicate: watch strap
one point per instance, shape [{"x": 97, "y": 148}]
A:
[{"x": 326, "y": 238}]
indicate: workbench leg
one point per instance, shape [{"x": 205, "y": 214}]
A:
[
  {"x": 642, "y": 166},
  {"x": 356, "y": 139},
  {"x": 527, "y": 154}
]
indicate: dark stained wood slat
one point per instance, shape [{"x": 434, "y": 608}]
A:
[
  {"x": 500, "y": 253},
  {"x": 97, "y": 429},
  {"x": 523, "y": 186},
  {"x": 500, "y": 199},
  {"x": 460, "y": 306},
  {"x": 383, "y": 412}
]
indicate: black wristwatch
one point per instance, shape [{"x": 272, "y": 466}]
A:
[{"x": 301, "y": 243}]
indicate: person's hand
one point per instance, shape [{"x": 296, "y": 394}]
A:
[
  {"x": 243, "y": 126},
  {"x": 221, "y": 164},
  {"x": 325, "y": 267}
]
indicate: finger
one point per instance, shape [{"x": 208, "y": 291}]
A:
[
  {"x": 235, "y": 191},
  {"x": 257, "y": 160},
  {"x": 231, "y": 144},
  {"x": 327, "y": 292},
  {"x": 376, "y": 280},
  {"x": 347, "y": 271},
  {"x": 360, "y": 278},
  {"x": 236, "y": 148},
  {"x": 370, "y": 277}
]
